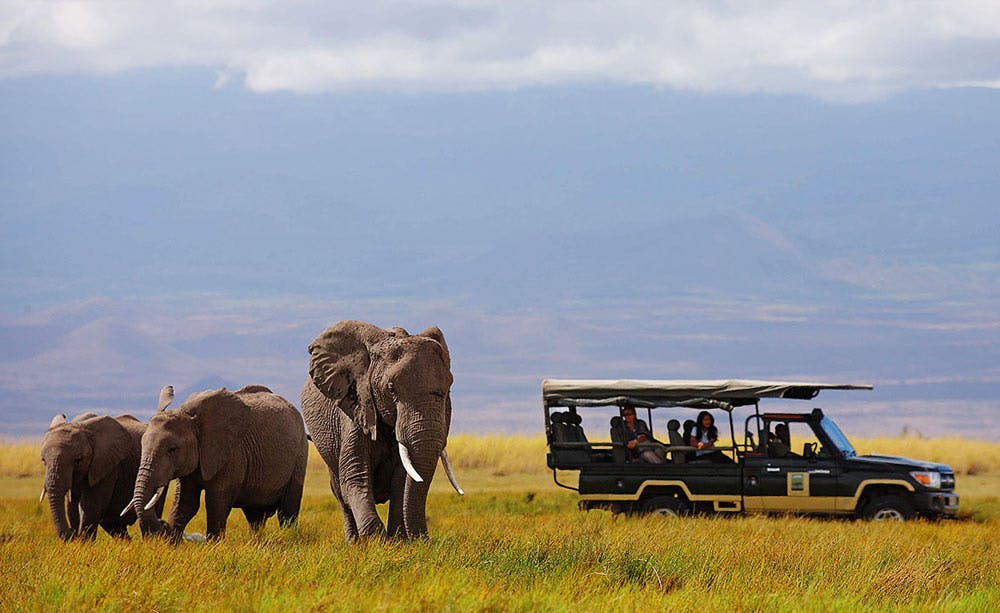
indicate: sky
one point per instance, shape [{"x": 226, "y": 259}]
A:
[{"x": 191, "y": 192}]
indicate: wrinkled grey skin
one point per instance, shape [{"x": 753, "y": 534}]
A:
[
  {"x": 370, "y": 389},
  {"x": 93, "y": 459},
  {"x": 245, "y": 449}
]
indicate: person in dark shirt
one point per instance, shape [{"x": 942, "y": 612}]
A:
[{"x": 635, "y": 433}]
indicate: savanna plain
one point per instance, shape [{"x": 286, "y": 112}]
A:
[{"x": 517, "y": 542}]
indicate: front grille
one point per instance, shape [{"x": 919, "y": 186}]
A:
[{"x": 947, "y": 481}]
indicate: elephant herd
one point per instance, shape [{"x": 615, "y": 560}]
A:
[{"x": 378, "y": 407}]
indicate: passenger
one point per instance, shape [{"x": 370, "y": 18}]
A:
[
  {"x": 704, "y": 436},
  {"x": 778, "y": 446},
  {"x": 634, "y": 432}
]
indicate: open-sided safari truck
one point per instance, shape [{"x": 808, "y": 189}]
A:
[{"x": 764, "y": 473}]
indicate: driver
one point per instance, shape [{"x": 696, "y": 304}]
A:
[{"x": 780, "y": 445}]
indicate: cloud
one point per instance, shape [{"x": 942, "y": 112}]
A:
[{"x": 841, "y": 51}]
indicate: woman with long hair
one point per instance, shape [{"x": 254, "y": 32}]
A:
[{"x": 704, "y": 436}]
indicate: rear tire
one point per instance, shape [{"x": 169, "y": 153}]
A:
[
  {"x": 665, "y": 506},
  {"x": 888, "y": 508}
]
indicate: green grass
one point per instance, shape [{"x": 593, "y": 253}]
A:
[{"x": 514, "y": 542}]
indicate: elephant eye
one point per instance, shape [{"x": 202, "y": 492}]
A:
[{"x": 172, "y": 449}]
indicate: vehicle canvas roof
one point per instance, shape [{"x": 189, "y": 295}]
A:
[{"x": 694, "y": 393}]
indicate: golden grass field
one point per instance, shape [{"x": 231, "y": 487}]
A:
[{"x": 517, "y": 542}]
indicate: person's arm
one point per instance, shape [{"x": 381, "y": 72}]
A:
[
  {"x": 628, "y": 436},
  {"x": 642, "y": 433}
]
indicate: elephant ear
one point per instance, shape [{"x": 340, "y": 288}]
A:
[
  {"x": 220, "y": 419},
  {"x": 436, "y": 334},
  {"x": 340, "y": 367},
  {"x": 111, "y": 444},
  {"x": 166, "y": 397}
]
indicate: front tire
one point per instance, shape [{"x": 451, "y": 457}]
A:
[
  {"x": 888, "y": 508},
  {"x": 665, "y": 506}
]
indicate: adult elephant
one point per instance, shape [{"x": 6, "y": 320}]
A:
[
  {"x": 90, "y": 469},
  {"x": 378, "y": 407},
  {"x": 245, "y": 449}
]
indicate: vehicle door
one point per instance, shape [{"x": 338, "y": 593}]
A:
[{"x": 796, "y": 474}]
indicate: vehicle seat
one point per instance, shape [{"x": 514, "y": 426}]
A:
[
  {"x": 688, "y": 433},
  {"x": 575, "y": 430},
  {"x": 618, "y": 451},
  {"x": 560, "y": 430},
  {"x": 566, "y": 429},
  {"x": 673, "y": 428}
]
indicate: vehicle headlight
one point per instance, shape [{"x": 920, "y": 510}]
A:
[{"x": 927, "y": 479}]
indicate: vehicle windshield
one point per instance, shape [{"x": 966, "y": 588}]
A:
[{"x": 838, "y": 438}]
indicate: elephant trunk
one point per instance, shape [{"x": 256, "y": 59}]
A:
[
  {"x": 56, "y": 488},
  {"x": 143, "y": 494},
  {"x": 424, "y": 442}
]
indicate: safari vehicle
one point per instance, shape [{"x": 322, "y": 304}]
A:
[{"x": 760, "y": 475}]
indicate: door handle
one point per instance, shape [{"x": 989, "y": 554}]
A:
[
  {"x": 819, "y": 471},
  {"x": 773, "y": 470}
]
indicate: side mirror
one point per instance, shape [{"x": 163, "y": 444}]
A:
[{"x": 808, "y": 450}]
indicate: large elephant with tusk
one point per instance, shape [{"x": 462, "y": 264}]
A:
[
  {"x": 90, "y": 468},
  {"x": 245, "y": 449},
  {"x": 378, "y": 406}
]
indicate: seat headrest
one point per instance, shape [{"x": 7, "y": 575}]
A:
[
  {"x": 616, "y": 421},
  {"x": 557, "y": 418},
  {"x": 572, "y": 419},
  {"x": 673, "y": 424},
  {"x": 688, "y": 424}
]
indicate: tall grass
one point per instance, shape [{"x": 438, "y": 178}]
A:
[
  {"x": 966, "y": 457},
  {"x": 519, "y": 547},
  {"x": 513, "y": 553}
]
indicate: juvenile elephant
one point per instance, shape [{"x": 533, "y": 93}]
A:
[
  {"x": 90, "y": 468},
  {"x": 378, "y": 407},
  {"x": 245, "y": 449}
]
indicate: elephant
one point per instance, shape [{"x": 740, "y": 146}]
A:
[
  {"x": 90, "y": 468},
  {"x": 245, "y": 449},
  {"x": 377, "y": 404}
]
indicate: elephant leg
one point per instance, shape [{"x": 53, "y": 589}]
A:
[
  {"x": 396, "y": 527},
  {"x": 73, "y": 511},
  {"x": 350, "y": 528},
  {"x": 355, "y": 470},
  {"x": 115, "y": 529},
  {"x": 217, "y": 508},
  {"x": 358, "y": 497},
  {"x": 185, "y": 507},
  {"x": 91, "y": 515},
  {"x": 255, "y": 517},
  {"x": 291, "y": 500}
]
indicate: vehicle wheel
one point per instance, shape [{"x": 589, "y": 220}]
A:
[
  {"x": 888, "y": 508},
  {"x": 665, "y": 506}
]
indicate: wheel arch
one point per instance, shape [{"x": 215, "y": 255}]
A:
[{"x": 874, "y": 491}]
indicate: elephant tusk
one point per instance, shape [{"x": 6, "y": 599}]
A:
[
  {"x": 128, "y": 507},
  {"x": 156, "y": 496},
  {"x": 42, "y": 497},
  {"x": 404, "y": 455},
  {"x": 451, "y": 475}
]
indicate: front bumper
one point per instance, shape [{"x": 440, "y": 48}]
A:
[{"x": 937, "y": 503}]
